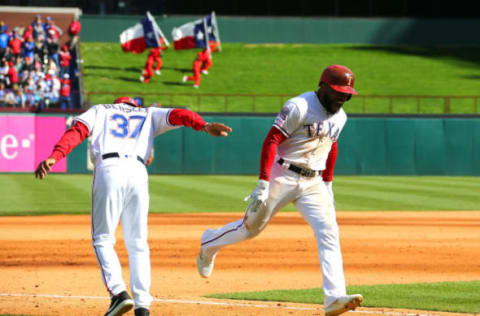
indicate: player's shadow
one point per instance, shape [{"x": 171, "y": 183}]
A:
[
  {"x": 130, "y": 69},
  {"x": 128, "y": 79},
  {"x": 182, "y": 70},
  {"x": 133, "y": 69},
  {"x": 173, "y": 83},
  {"x": 101, "y": 67}
]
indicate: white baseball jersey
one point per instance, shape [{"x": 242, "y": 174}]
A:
[
  {"x": 124, "y": 129},
  {"x": 309, "y": 129}
]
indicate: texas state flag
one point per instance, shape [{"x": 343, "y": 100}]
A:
[
  {"x": 194, "y": 34},
  {"x": 140, "y": 36}
]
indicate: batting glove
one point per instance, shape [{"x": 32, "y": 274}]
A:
[
  {"x": 258, "y": 196},
  {"x": 259, "y": 193}
]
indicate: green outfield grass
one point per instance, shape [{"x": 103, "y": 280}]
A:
[
  {"x": 458, "y": 297},
  {"x": 70, "y": 194},
  {"x": 291, "y": 69}
]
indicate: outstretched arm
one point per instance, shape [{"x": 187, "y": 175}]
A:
[
  {"x": 73, "y": 137},
  {"x": 191, "y": 119}
]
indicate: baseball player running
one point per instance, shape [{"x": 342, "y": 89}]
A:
[
  {"x": 294, "y": 153},
  {"x": 122, "y": 135}
]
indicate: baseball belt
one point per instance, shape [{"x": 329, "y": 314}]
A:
[
  {"x": 301, "y": 171},
  {"x": 117, "y": 155}
]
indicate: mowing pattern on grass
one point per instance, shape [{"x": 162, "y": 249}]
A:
[
  {"x": 459, "y": 297},
  {"x": 70, "y": 194}
]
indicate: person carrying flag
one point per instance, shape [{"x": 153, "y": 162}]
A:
[
  {"x": 153, "y": 57},
  {"x": 199, "y": 64}
]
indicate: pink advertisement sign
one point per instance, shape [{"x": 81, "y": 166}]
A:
[{"x": 27, "y": 140}]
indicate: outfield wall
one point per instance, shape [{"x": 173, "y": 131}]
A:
[
  {"x": 325, "y": 30},
  {"x": 367, "y": 146}
]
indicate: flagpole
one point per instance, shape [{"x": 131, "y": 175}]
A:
[
  {"x": 216, "y": 30},
  {"x": 157, "y": 28},
  {"x": 205, "y": 27}
]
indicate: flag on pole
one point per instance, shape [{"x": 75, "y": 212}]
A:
[
  {"x": 216, "y": 31},
  {"x": 145, "y": 33},
  {"x": 195, "y": 34}
]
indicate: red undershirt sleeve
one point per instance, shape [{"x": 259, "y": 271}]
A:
[
  {"x": 73, "y": 137},
  {"x": 186, "y": 118},
  {"x": 269, "y": 151},
  {"x": 327, "y": 174}
]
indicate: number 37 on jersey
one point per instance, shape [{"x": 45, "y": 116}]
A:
[{"x": 122, "y": 126}]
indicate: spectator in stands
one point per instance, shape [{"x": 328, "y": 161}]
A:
[
  {"x": 46, "y": 25},
  {"x": 3, "y": 40},
  {"x": 4, "y": 72},
  {"x": 29, "y": 82},
  {"x": 28, "y": 32},
  {"x": 9, "y": 98},
  {"x": 65, "y": 102},
  {"x": 28, "y": 65},
  {"x": 12, "y": 74},
  {"x": 15, "y": 43},
  {"x": 53, "y": 88},
  {"x": 52, "y": 48},
  {"x": 53, "y": 30},
  {"x": 18, "y": 63},
  {"x": 3, "y": 27},
  {"x": 51, "y": 68},
  {"x": 65, "y": 58},
  {"x": 20, "y": 100},
  {"x": 31, "y": 98},
  {"x": 73, "y": 32},
  {"x": 41, "y": 49},
  {"x": 28, "y": 48},
  {"x": 38, "y": 27},
  {"x": 40, "y": 92},
  {"x": 3, "y": 92}
]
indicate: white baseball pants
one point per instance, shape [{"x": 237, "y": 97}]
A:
[
  {"x": 312, "y": 200},
  {"x": 120, "y": 193}
]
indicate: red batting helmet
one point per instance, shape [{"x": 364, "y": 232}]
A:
[
  {"x": 339, "y": 78},
  {"x": 127, "y": 100}
]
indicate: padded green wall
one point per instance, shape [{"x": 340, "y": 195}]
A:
[
  {"x": 367, "y": 146},
  {"x": 189, "y": 152},
  {"x": 107, "y": 28},
  {"x": 410, "y": 146}
]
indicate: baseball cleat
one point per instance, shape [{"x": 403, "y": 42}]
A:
[
  {"x": 121, "y": 304},
  {"x": 158, "y": 72},
  {"x": 205, "y": 72},
  {"x": 343, "y": 304},
  {"x": 195, "y": 86},
  {"x": 184, "y": 79},
  {"x": 141, "y": 79},
  {"x": 205, "y": 264},
  {"x": 142, "y": 312}
]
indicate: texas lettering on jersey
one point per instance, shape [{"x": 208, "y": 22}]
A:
[{"x": 322, "y": 129}]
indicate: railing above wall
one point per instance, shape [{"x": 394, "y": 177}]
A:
[{"x": 272, "y": 103}]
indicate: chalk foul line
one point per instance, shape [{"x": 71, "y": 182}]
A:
[{"x": 218, "y": 303}]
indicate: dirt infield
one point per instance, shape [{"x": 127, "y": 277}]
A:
[{"x": 48, "y": 266}]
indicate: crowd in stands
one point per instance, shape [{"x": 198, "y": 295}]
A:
[{"x": 35, "y": 68}]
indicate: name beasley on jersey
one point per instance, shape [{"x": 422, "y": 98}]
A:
[
  {"x": 124, "y": 108},
  {"x": 321, "y": 130}
]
